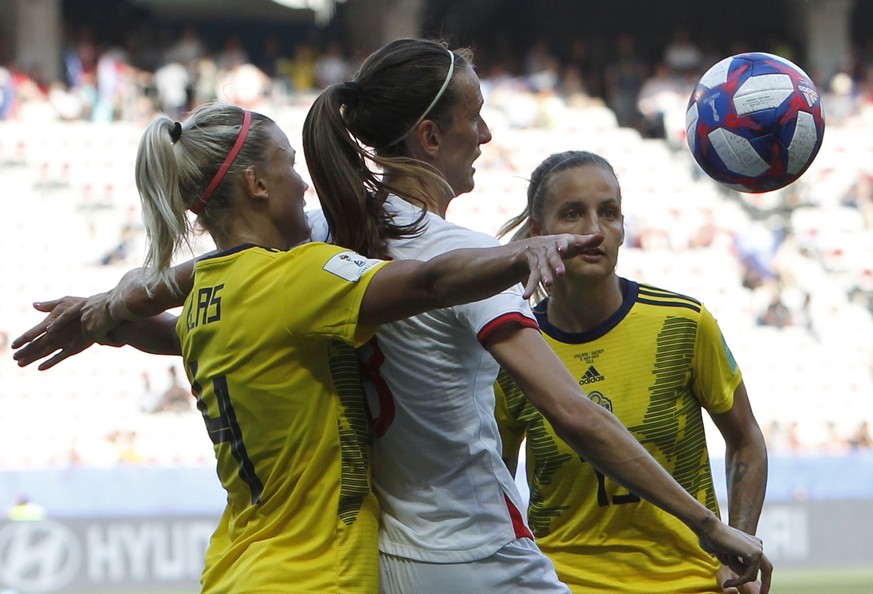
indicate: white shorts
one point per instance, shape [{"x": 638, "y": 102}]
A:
[{"x": 518, "y": 567}]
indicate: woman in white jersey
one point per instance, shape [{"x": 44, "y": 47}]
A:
[{"x": 451, "y": 513}]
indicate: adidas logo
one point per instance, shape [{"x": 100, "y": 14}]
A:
[
  {"x": 591, "y": 376},
  {"x": 811, "y": 95}
]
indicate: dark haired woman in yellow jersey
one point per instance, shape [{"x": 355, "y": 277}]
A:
[
  {"x": 655, "y": 359},
  {"x": 267, "y": 337}
]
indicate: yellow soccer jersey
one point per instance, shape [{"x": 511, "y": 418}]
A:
[
  {"x": 268, "y": 342},
  {"x": 654, "y": 364}
]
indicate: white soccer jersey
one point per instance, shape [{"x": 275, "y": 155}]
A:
[{"x": 445, "y": 493}]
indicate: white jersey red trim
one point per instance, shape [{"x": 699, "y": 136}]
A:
[{"x": 445, "y": 493}]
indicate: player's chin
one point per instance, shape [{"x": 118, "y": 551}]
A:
[
  {"x": 465, "y": 186},
  {"x": 581, "y": 266}
]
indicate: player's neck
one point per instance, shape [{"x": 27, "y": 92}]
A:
[
  {"x": 242, "y": 232},
  {"x": 578, "y": 305},
  {"x": 434, "y": 202}
]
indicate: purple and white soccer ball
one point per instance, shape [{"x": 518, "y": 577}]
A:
[{"x": 755, "y": 122}]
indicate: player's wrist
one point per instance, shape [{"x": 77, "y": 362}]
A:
[
  {"x": 118, "y": 309},
  {"x": 705, "y": 523}
]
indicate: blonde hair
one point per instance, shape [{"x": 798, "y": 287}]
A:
[{"x": 173, "y": 168}]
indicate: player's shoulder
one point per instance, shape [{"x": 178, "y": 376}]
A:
[
  {"x": 438, "y": 237},
  {"x": 455, "y": 236},
  {"x": 665, "y": 298}
]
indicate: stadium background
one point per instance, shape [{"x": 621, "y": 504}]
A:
[{"x": 126, "y": 489}]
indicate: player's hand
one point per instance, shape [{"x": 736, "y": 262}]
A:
[
  {"x": 724, "y": 574},
  {"x": 58, "y": 336},
  {"x": 546, "y": 255},
  {"x": 742, "y": 553}
]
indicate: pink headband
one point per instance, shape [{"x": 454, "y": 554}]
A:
[{"x": 228, "y": 161}]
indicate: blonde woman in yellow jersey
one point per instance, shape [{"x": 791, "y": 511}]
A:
[
  {"x": 267, "y": 336},
  {"x": 655, "y": 359}
]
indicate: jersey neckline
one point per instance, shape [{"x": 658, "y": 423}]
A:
[{"x": 630, "y": 290}]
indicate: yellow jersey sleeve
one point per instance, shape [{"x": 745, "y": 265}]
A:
[
  {"x": 330, "y": 274},
  {"x": 512, "y": 430},
  {"x": 716, "y": 373}
]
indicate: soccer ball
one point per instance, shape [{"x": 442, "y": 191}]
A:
[{"x": 754, "y": 122}]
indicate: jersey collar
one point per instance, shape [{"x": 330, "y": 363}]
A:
[{"x": 630, "y": 290}]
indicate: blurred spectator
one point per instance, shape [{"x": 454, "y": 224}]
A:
[
  {"x": 331, "y": 66},
  {"x": 777, "y": 314},
  {"x": 756, "y": 248},
  {"x": 187, "y": 51},
  {"x": 80, "y": 58},
  {"x": 244, "y": 85},
  {"x": 842, "y": 99},
  {"x": 232, "y": 54},
  {"x": 176, "y": 398},
  {"x": 624, "y": 78},
  {"x": 861, "y": 439},
  {"x": 661, "y": 94},
  {"x": 833, "y": 442},
  {"x": 793, "y": 441},
  {"x": 537, "y": 58},
  {"x": 803, "y": 317},
  {"x": 171, "y": 83},
  {"x": 205, "y": 80},
  {"x": 776, "y": 437},
  {"x": 125, "y": 445},
  {"x": 121, "y": 252},
  {"x": 68, "y": 105},
  {"x": 30, "y": 101},
  {"x": 580, "y": 67},
  {"x": 681, "y": 55},
  {"x": 270, "y": 56},
  {"x": 112, "y": 72},
  {"x": 149, "y": 399},
  {"x": 301, "y": 68},
  {"x": 25, "y": 510},
  {"x": 542, "y": 70},
  {"x": 6, "y": 96}
]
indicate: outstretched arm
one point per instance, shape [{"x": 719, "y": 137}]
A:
[
  {"x": 75, "y": 323},
  {"x": 408, "y": 287},
  {"x": 604, "y": 442},
  {"x": 156, "y": 335},
  {"x": 132, "y": 299}
]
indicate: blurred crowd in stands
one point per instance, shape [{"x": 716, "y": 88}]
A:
[
  {"x": 176, "y": 69},
  {"x": 826, "y": 220}
]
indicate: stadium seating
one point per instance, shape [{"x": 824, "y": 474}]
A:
[{"x": 73, "y": 193}]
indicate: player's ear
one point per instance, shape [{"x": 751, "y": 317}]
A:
[
  {"x": 255, "y": 183},
  {"x": 428, "y": 136},
  {"x": 623, "y": 230},
  {"x": 535, "y": 227}
]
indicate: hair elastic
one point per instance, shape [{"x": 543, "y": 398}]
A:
[
  {"x": 352, "y": 93},
  {"x": 439, "y": 96},
  {"x": 176, "y": 132},
  {"x": 228, "y": 161}
]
